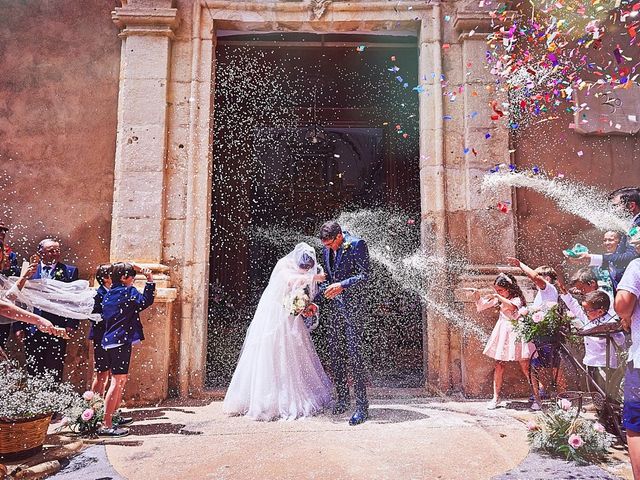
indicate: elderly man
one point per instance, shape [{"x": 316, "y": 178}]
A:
[
  {"x": 8, "y": 267},
  {"x": 44, "y": 352}
]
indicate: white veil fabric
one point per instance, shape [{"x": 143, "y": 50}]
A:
[
  {"x": 279, "y": 374},
  {"x": 70, "y": 300}
]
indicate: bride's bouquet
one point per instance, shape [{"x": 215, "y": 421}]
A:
[{"x": 298, "y": 301}]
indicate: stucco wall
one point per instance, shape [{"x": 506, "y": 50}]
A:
[
  {"x": 607, "y": 162},
  {"x": 58, "y": 104}
]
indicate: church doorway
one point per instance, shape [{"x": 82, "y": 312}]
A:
[{"x": 307, "y": 127}]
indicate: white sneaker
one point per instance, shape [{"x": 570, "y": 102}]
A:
[
  {"x": 535, "y": 406},
  {"x": 492, "y": 405}
]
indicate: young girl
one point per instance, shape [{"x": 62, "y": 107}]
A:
[{"x": 503, "y": 345}]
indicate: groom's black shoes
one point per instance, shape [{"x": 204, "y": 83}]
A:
[
  {"x": 340, "y": 407},
  {"x": 358, "y": 417}
]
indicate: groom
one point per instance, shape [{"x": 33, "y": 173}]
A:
[{"x": 346, "y": 263}]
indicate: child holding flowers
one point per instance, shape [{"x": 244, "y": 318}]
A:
[{"x": 503, "y": 345}]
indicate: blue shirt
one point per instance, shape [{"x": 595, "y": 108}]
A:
[{"x": 121, "y": 307}]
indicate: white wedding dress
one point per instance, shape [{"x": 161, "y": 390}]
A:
[{"x": 279, "y": 374}]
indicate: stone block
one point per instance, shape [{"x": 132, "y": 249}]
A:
[
  {"x": 141, "y": 148},
  {"x": 143, "y": 102},
  {"x": 177, "y": 147},
  {"x": 430, "y": 185},
  {"x": 491, "y": 151},
  {"x": 145, "y": 57},
  {"x": 480, "y": 199},
  {"x": 178, "y": 94},
  {"x": 452, "y": 64},
  {"x": 491, "y": 236},
  {"x": 181, "y": 55},
  {"x": 454, "y": 148},
  {"x": 137, "y": 239},
  {"x": 139, "y": 195},
  {"x": 173, "y": 245},
  {"x": 477, "y": 107},
  {"x": 176, "y": 192},
  {"x": 149, "y": 372},
  {"x": 456, "y": 189},
  {"x": 473, "y": 54}
]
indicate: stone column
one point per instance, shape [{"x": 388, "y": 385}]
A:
[
  {"x": 489, "y": 234},
  {"x": 436, "y": 337},
  {"x": 139, "y": 180},
  {"x": 138, "y": 201}
]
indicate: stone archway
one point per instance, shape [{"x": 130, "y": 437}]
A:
[{"x": 164, "y": 147}]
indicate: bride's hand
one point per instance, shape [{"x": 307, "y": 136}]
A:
[{"x": 320, "y": 277}]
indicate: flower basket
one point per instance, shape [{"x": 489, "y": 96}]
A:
[{"x": 22, "y": 438}]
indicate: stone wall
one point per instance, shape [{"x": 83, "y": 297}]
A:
[{"x": 58, "y": 100}]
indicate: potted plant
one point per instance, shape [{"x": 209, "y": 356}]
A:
[{"x": 26, "y": 406}]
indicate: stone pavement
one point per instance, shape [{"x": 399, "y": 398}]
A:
[{"x": 407, "y": 438}]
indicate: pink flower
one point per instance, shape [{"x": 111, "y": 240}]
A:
[
  {"x": 598, "y": 427},
  {"x": 538, "y": 317},
  {"x": 576, "y": 441},
  {"x": 87, "y": 414},
  {"x": 88, "y": 395},
  {"x": 564, "y": 404},
  {"x": 522, "y": 311},
  {"x": 532, "y": 426}
]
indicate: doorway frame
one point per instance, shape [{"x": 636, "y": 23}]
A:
[{"x": 372, "y": 17}]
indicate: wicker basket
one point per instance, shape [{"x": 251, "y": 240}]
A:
[{"x": 23, "y": 438}]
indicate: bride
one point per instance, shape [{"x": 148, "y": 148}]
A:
[{"x": 279, "y": 374}]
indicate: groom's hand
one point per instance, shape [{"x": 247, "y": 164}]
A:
[{"x": 333, "y": 290}]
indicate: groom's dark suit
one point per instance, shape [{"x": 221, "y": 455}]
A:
[{"x": 350, "y": 268}]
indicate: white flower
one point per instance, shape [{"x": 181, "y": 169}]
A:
[
  {"x": 564, "y": 404},
  {"x": 538, "y": 317},
  {"x": 88, "y": 395},
  {"x": 522, "y": 311}
]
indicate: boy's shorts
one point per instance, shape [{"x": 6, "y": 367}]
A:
[
  {"x": 631, "y": 409},
  {"x": 547, "y": 356},
  {"x": 100, "y": 359},
  {"x": 119, "y": 359}
]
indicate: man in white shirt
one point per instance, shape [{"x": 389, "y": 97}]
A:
[{"x": 628, "y": 309}]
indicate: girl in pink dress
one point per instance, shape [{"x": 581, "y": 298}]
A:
[{"x": 503, "y": 345}]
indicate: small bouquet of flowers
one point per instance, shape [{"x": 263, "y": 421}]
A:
[
  {"x": 87, "y": 415},
  {"x": 534, "y": 323},
  {"x": 561, "y": 431},
  {"x": 298, "y": 301}
]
